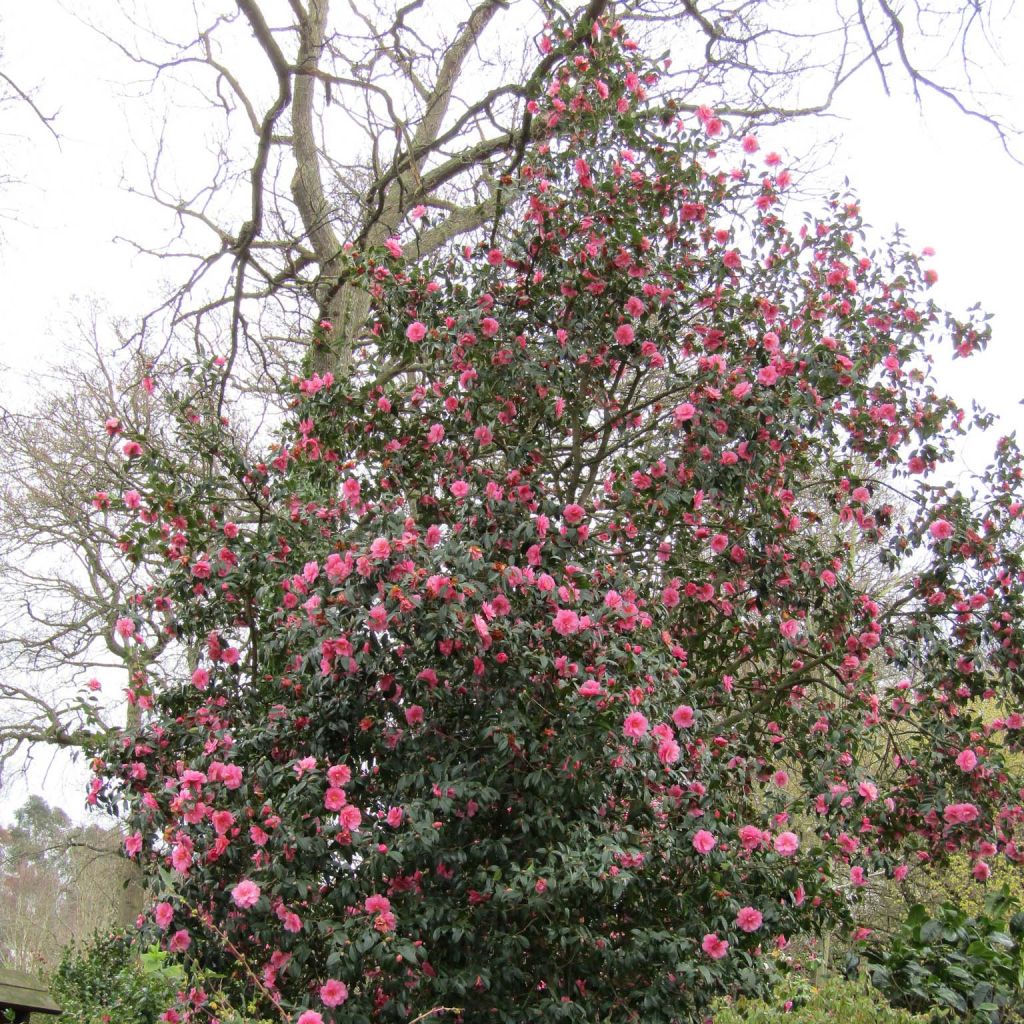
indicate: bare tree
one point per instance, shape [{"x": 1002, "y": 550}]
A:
[
  {"x": 67, "y": 574},
  {"x": 336, "y": 122},
  {"x": 22, "y": 118},
  {"x": 64, "y": 578},
  {"x": 59, "y": 881}
]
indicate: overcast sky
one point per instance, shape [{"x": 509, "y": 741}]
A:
[{"x": 943, "y": 177}]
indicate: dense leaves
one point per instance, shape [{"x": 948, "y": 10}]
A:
[
  {"x": 968, "y": 963},
  {"x": 539, "y": 671},
  {"x": 111, "y": 981},
  {"x": 799, "y": 1001}
]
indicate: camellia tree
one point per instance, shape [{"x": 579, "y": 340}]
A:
[{"x": 532, "y": 677}]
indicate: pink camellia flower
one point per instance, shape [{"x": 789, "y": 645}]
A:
[
  {"x": 566, "y": 622},
  {"x": 335, "y": 799},
  {"x": 590, "y": 688},
  {"x": 380, "y": 548},
  {"x": 624, "y": 334},
  {"x": 670, "y": 597},
  {"x": 222, "y": 821},
  {"x": 333, "y": 992},
  {"x": 416, "y": 331},
  {"x": 683, "y": 716},
  {"x": 393, "y": 246},
  {"x": 751, "y": 837},
  {"x": 981, "y": 871},
  {"x": 163, "y": 913},
  {"x": 377, "y": 619},
  {"x": 715, "y": 947},
  {"x": 868, "y": 790},
  {"x": 350, "y": 817},
  {"x": 857, "y": 876},
  {"x": 200, "y": 678},
  {"x": 351, "y": 489},
  {"x": 683, "y": 412},
  {"x": 941, "y": 529},
  {"x": 377, "y": 904},
  {"x": 125, "y": 627},
  {"x": 133, "y": 844},
  {"x": 489, "y": 327},
  {"x": 573, "y": 514},
  {"x": 767, "y": 376},
  {"x": 748, "y": 919},
  {"x": 967, "y": 760},
  {"x": 960, "y": 814},
  {"x": 635, "y": 725},
  {"x": 394, "y": 818},
  {"x": 704, "y": 841},
  {"x": 181, "y": 857},
  {"x": 668, "y": 751},
  {"x": 789, "y": 628},
  {"x": 180, "y": 941},
  {"x": 787, "y": 843},
  {"x": 459, "y": 488},
  {"x": 246, "y": 894},
  {"x": 749, "y": 144},
  {"x": 309, "y": 1017},
  {"x": 414, "y": 714}
]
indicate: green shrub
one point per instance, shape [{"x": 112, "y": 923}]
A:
[
  {"x": 973, "y": 964},
  {"x": 113, "y": 981},
  {"x": 797, "y": 1001}
]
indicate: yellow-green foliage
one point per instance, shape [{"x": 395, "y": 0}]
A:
[{"x": 797, "y": 1001}]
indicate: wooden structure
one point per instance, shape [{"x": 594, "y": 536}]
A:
[{"x": 25, "y": 994}]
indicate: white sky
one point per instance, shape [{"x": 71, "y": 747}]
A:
[{"x": 944, "y": 178}]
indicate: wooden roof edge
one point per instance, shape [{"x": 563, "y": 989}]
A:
[{"x": 25, "y": 991}]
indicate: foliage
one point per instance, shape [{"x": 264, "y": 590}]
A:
[
  {"x": 971, "y": 964},
  {"x": 515, "y": 659},
  {"x": 112, "y": 981},
  {"x": 798, "y": 1001}
]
